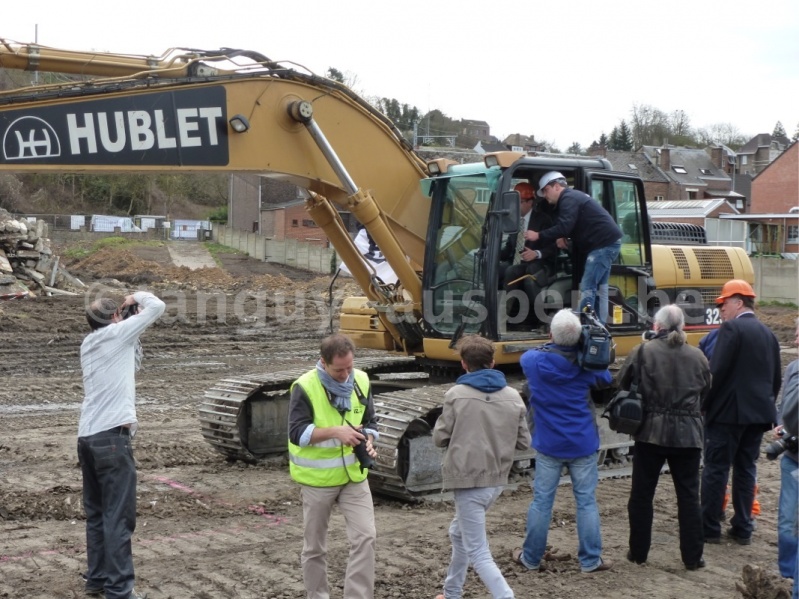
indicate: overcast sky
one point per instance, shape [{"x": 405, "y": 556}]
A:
[{"x": 563, "y": 71}]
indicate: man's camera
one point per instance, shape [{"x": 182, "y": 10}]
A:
[
  {"x": 128, "y": 311},
  {"x": 778, "y": 446},
  {"x": 364, "y": 459}
]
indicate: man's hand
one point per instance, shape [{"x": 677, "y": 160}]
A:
[
  {"x": 349, "y": 436},
  {"x": 369, "y": 448},
  {"x": 528, "y": 255},
  {"x": 777, "y": 432},
  {"x": 531, "y": 235},
  {"x": 129, "y": 301},
  {"x": 562, "y": 243}
]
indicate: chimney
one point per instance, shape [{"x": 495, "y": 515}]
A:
[
  {"x": 665, "y": 158},
  {"x": 717, "y": 156}
]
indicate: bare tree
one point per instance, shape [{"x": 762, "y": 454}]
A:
[
  {"x": 650, "y": 125},
  {"x": 680, "y": 123},
  {"x": 721, "y": 133}
]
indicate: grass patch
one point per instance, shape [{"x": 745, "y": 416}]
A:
[
  {"x": 217, "y": 248},
  {"x": 778, "y": 304}
]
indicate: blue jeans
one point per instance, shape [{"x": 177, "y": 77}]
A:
[
  {"x": 787, "y": 525},
  {"x": 470, "y": 544},
  {"x": 584, "y": 476},
  {"x": 595, "y": 279},
  {"x": 109, "y": 500}
]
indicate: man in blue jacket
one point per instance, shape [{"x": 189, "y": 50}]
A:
[
  {"x": 564, "y": 434},
  {"x": 595, "y": 236}
]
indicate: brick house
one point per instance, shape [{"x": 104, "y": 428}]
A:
[
  {"x": 656, "y": 185},
  {"x": 759, "y": 152},
  {"x": 523, "y": 143},
  {"x": 477, "y": 129},
  {"x": 275, "y": 209},
  {"x": 692, "y": 174},
  {"x": 773, "y": 217},
  {"x": 290, "y": 220}
]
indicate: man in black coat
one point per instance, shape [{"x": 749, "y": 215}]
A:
[
  {"x": 527, "y": 266},
  {"x": 739, "y": 408}
]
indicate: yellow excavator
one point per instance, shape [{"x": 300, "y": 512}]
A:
[{"x": 440, "y": 226}]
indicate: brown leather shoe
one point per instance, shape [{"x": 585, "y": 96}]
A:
[
  {"x": 603, "y": 566},
  {"x": 516, "y": 556}
]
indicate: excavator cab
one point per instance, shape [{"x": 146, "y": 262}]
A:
[{"x": 469, "y": 223}]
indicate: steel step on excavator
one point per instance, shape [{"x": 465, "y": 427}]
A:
[{"x": 439, "y": 225}]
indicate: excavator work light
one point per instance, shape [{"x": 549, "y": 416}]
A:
[{"x": 239, "y": 123}]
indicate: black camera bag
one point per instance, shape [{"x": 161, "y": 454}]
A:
[{"x": 625, "y": 412}]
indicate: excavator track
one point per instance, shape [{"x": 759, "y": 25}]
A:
[
  {"x": 238, "y": 414},
  {"x": 246, "y": 418}
]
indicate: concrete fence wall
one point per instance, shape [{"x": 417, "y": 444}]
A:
[
  {"x": 290, "y": 252},
  {"x": 776, "y": 280}
]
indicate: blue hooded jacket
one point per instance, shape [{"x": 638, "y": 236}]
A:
[
  {"x": 565, "y": 425},
  {"x": 487, "y": 380}
]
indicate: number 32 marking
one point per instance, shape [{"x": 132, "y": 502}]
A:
[{"x": 712, "y": 316}]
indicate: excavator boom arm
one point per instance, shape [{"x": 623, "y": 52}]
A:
[{"x": 162, "y": 114}]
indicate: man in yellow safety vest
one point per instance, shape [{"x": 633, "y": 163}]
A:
[{"x": 332, "y": 426}]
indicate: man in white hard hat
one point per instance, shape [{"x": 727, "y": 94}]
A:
[{"x": 594, "y": 234}]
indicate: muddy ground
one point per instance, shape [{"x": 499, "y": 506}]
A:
[{"x": 209, "y": 528}]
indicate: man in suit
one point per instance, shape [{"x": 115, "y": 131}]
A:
[
  {"x": 520, "y": 257},
  {"x": 739, "y": 408}
]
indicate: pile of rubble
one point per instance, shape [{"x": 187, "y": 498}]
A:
[{"x": 27, "y": 264}]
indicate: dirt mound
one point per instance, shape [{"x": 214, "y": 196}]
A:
[
  {"x": 125, "y": 266},
  {"x": 781, "y": 321}
]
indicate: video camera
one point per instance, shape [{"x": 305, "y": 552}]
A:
[
  {"x": 596, "y": 350},
  {"x": 778, "y": 446}
]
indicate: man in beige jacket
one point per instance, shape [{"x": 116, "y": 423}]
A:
[{"x": 482, "y": 423}]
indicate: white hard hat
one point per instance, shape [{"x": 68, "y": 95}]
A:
[{"x": 547, "y": 179}]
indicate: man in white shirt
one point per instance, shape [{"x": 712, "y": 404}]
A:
[
  {"x": 109, "y": 357},
  {"x": 526, "y": 266}
]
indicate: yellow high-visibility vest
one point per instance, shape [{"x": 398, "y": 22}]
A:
[{"x": 328, "y": 463}]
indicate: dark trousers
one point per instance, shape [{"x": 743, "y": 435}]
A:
[
  {"x": 109, "y": 499},
  {"x": 737, "y": 446},
  {"x": 523, "y": 305},
  {"x": 648, "y": 460}
]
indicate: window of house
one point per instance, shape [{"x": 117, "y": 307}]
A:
[
  {"x": 307, "y": 222},
  {"x": 792, "y": 234},
  {"x": 705, "y": 171},
  {"x": 680, "y": 170},
  {"x": 632, "y": 167},
  {"x": 658, "y": 198},
  {"x": 295, "y": 222},
  {"x": 691, "y": 194},
  {"x": 743, "y": 159}
]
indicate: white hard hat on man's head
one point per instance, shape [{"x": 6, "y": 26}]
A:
[{"x": 547, "y": 179}]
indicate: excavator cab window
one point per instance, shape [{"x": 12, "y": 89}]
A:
[{"x": 457, "y": 282}]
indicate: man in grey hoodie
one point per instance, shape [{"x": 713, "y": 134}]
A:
[{"x": 482, "y": 423}]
